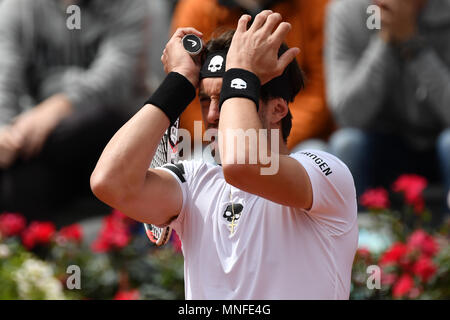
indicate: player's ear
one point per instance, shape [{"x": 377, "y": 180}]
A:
[{"x": 278, "y": 110}]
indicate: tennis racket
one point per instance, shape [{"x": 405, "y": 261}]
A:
[
  {"x": 167, "y": 149},
  {"x": 165, "y": 153}
]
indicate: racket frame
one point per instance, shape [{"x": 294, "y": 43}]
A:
[{"x": 169, "y": 142}]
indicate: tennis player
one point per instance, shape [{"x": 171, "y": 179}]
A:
[{"x": 245, "y": 235}]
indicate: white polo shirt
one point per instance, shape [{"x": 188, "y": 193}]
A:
[{"x": 275, "y": 251}]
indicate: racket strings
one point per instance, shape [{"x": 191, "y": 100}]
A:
[
  {"x": 161, "y": 153},
  {"x": 157, "y": 235}
]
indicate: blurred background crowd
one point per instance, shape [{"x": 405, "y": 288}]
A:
[{"x": 378, "y": 98}]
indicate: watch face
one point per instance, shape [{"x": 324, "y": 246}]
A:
[{"x": 192, "y": 44}]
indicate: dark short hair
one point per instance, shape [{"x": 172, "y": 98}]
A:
[{"x": 286, "y": 86}]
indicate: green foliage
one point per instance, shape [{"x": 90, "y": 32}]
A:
[{"x": 157, "y": 273}]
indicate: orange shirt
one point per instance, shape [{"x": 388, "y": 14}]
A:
[{"x": 311, "y": 117}]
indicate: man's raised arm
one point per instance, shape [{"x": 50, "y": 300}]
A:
[
  {"x": 253, "y": 56},
  {"x": 122, "y": 177}
]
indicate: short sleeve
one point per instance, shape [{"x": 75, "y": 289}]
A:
[
  {"x": 184, "y": 173},
  {"x": 334, "y": 196}
]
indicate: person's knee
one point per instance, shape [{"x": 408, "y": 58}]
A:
[{"x": 348, "y": 140}]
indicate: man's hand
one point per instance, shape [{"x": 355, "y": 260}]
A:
[
  {"x": 34, "y": 126},
  {"x": 176, "y": 59},
  {"x": 256, "y": 49},
  {"x": 399, "y": 19},
  {"x": 9, "y": 146}
]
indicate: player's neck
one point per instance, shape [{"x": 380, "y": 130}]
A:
[
  {"x": 283, "y": 148},
  {"x": 282, "y": 145}
]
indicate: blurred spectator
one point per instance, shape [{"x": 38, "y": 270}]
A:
[
  {"x": 160, "y": 16},
  {"x": 172, "y": 4},
  {"x": 389, "y": 89},
  {"x": 311, "y": 117},
  {"x": 82, "y": 81}
]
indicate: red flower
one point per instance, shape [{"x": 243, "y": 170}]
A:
[
  {"x": 412, "y": 187},
  {"x": 118, "y": 215},
  {"x": 114, "y": 234},
  {"x": 11, "y": 224},
  {"x": 364, "y": 255},
  {"x": 176, "y": 242},
  {"x": 363, "y": 252},
  {"x": 73, "y": 232},
  {"x": 424, "y": 268},
  {"x": 422, "y": 241},
  {"x": 403, "y": 286},
  {"x": 414, "y": 293},
  {"x": 38, "y": 233},
  {"x": 127, "y": 295},
  {"x": 395, "y": 254},
  {"x": 376, "y": 199},
  {"x": 388, "y": 278}
]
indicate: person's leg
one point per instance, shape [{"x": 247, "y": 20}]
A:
[
  {"x": 443, "y": 153},
  {"x": 400, "y": 158},
  {"x": 443, "y": 157},
  {"x": 27, "y": 188},
  {"x": 61, "y": 171},
  {"x": 354, "y": 148}
]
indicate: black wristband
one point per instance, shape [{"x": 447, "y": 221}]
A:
[
  {"x": 240, "y": 83},
  {"x": 173, "y": 96}
]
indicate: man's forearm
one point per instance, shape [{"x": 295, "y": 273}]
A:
[
  {"x": 238, "y": 114},
  {"x": 12, "y": 62},
  {"x": 356, "y": 78},
  {"x": 122, "y": 167},
  {"x": 113, "y": 76},
  {"x": 356, "y": 88}
]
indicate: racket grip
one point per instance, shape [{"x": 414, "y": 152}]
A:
[{"x": 192, "y": 44}]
